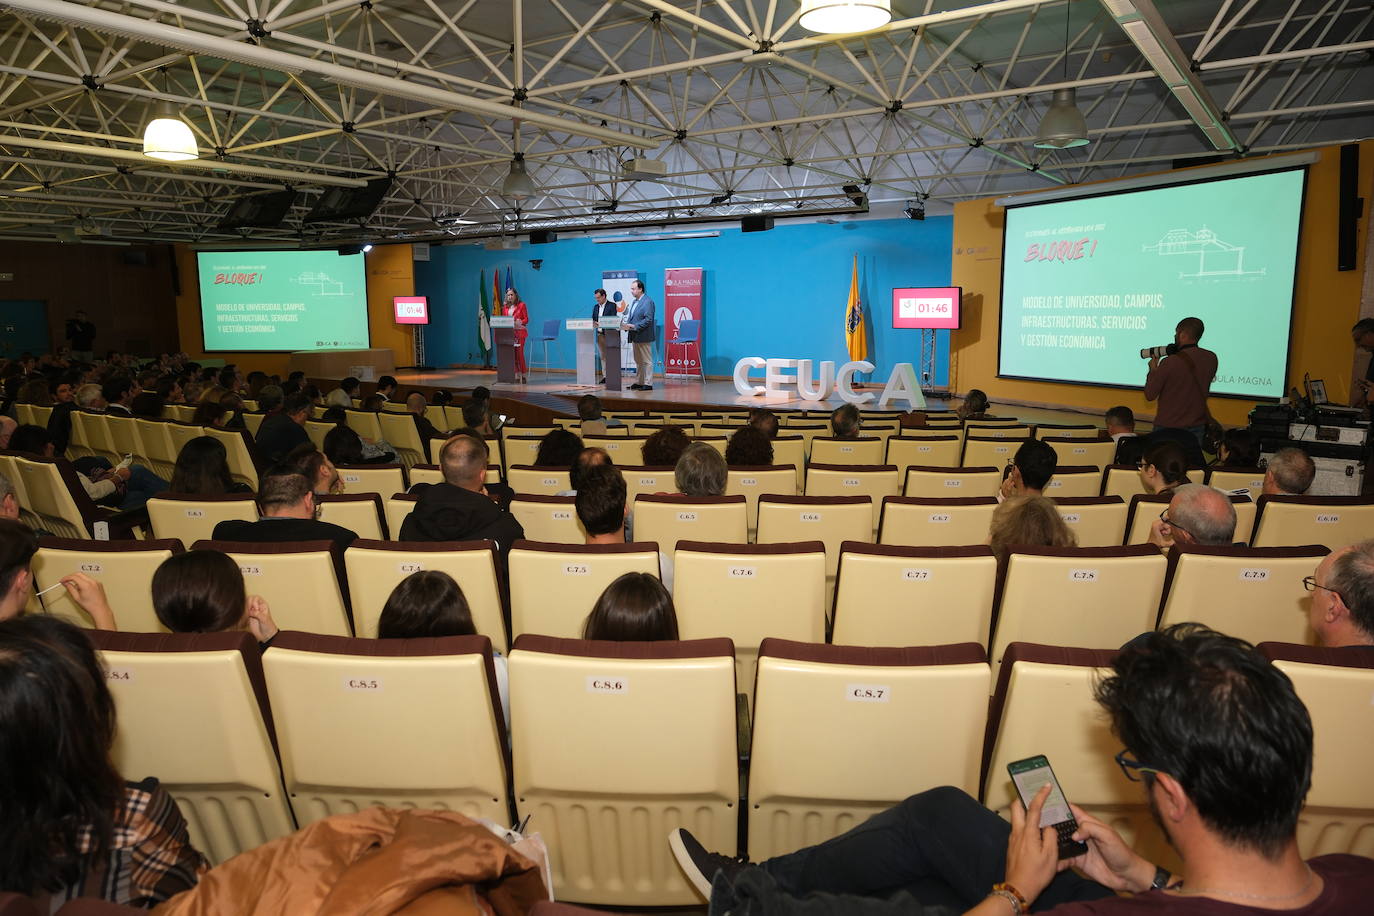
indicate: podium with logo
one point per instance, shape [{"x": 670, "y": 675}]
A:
[
  {"x": 503, "y": 337},
  {"x": 610, "y": 332},
  {"x": 584, "y": 332}
]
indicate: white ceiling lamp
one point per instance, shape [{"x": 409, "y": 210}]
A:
[
  {"x": 517, "y": 185},
  {"x": 1063, "y": 126},
  {"x": 840, "y": 17},
  {"x": 167, "y": 137}
]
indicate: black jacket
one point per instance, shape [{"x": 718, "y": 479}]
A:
[
  {"x": 277, "y": 436},
  {"x": 282, "y": 530},
  {"x": 448, "y": 513}
]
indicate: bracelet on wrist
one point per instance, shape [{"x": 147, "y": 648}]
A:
[
  {"x": 1162, "y": 878},
  {"x": 1011, "y": 895}
]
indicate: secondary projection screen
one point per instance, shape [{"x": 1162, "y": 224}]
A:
[
  {"x": 282, "y": 300},
  {"x": 1088, "y": 283}
]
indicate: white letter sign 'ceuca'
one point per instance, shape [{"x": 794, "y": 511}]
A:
[
  {"x": 845, "y": 382},
  {"x": 742, "y": 375},
  {"x": 821, "y": 391},
  {"x": 901, "y": 384}
]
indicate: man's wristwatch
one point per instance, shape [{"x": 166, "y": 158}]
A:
[{"x": 1162, "y": 878}]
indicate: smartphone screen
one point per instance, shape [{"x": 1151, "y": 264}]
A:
[{"x": 1029, "y": 775}]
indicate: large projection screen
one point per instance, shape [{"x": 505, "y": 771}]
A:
[
  {"x": 1088, "y": 283},
  {"x": 254, "y": 301}
]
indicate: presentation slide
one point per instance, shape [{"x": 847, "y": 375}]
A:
[
  {"x": 1088, "y": 283},
  {"x": 283, "y": 300}
]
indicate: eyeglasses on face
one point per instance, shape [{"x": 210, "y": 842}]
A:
[
  {"x": 1164, "y": 517},
  {"x": 1311, "y": 584},
  {"x": 1134, "y": 769}
]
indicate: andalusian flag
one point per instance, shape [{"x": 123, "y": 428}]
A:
[
  {"x": 483, "y": 318},
  {"x": 855, "y": 337}
]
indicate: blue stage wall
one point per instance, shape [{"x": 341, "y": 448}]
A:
[{"x": 780, "y": 293}]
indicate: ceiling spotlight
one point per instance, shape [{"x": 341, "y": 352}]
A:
[
  {"x": 915, "y": 209},
  {"x": 517, "y": 185},
  {"x": 367, "y": 248},
  {"x": 1063, "y": 126},
  {"x": 168, "y": 137},
  {"x": 722, "y": 198},
  {"x": 605, "y": 206},
  {"x": 840, "y": 17}
]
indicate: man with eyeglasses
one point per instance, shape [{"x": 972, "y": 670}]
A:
[
  {"x": 1197, "y": 514},
  {"x": 1342, "y": 609},
  {"x": 1222, "y": 748}
]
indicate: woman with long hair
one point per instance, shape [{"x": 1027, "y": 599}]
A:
[
  {"x": 1028, "y": 521},
  {"x": 517, "y": 309},
  {"x": 1163, "y": 468},
  {"x": 202, "y": 591},
  {"x": 202, "y": 469},
  {"x": 634, "y": 608}
]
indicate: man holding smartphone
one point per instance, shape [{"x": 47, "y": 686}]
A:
[{"x": 1222, "y": 748}]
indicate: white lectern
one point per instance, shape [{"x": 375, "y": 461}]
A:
[{"x": 585, "y": 331}]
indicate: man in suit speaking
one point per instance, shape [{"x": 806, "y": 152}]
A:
[
  {"x": 640, "y": 322},
  {"x": 603, "y": 308}
]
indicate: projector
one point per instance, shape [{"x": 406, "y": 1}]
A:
[
  {"x": 645, "y": 168},
  {"x": 502, "y": 245}
]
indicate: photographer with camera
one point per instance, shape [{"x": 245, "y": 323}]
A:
[
  {"x": 81, "y": 336},
  {"x": 1181, "y": 380}
]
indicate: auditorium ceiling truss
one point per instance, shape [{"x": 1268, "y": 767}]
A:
[{"x": 738, "y": 109}]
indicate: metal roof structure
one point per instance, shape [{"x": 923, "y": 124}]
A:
[{"x": 743, "y": 110}]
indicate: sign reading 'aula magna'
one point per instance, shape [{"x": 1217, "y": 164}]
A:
[{"x": 901, "y": 383}]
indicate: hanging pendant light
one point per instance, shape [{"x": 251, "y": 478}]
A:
[
  {"x": 167, "y": 136},
  {"x": 517, "y": 185},
  {"x": 840, "y": 17},
  {"x": 1063, "y": 126}
]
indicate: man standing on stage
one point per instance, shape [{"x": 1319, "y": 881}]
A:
[
  {"x": 604, "y": 308},
  {"x": 640, "y": 322},
  {"x": 1182, "y": 381}
]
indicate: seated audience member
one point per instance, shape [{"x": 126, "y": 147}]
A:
[
  {"x": 665, "y": 446},
  {"x": 212, "y": 413},
  {"x": 558, "y": 449},
  {"x": 60, "y": 420},
  {"x": 315, "y": 466},
  {"x": 586, "y": 459},
  {"x": 1239, "y": 448},
  {"x": 429, "y": 604},
  {"x": 601, "y": 504},
  {"x": 343, "y": 445},
  {"x": 1222, "y": 747},
  {"x": 376, "y": 449},
  {"x": 148, "y": 404},
  {"x": 90, "y": 397},
  {"x": 291, "y": 386},
  {"x": 1342, "y": 607},
  {"x": 169, "y": 389},
  {"x": 459, "y": 509},
  {"x": 230, "y": 379},
  {"x": 9, "y": 501},
  {"x": 335, "y": 415},
  {"x": 589, "y": 414},
  {"x": 1184, "y": 439},
  {"x": 269, "y": 399},
  {"x": 1197, "y": 514},
  {"x": 36, "y": 392},
  {"x": 1030, "y": 470},
  {"x": 701, "y": 471},
  {"x": 477, "y": 415},
  {"x": 386, "y": 387},
  {"x": 7, "y": 427},
  {"x": 118, "y": 393},
  {"x": 1163, "y": 468},
  {"x": 1289, "y": 473},
  {"x": 765, "y": 421},
  {"x": 121, "y": 488},
  {"x": 101, "y": 837},
  {"x": 634, "y": 608},
  {"x": 256, "y": 381},
  {"x": 316, "y": 396},
  {"x": 232, "y": 401},
  {"x": 283, "y": 431},
  {"x": 442, "y": 397},
  {"x": 974, "y": 406},
  {"x": 1120, "y": 423},
  {"x": 415, "y": 406},
  {"x": 845, "y": 421},
  {"x": 202, "y": 591},
  {"x": 749, "y": 447},
  {"x": 17, "y": 547},
  {"x": 202, "y": 469},
  {"x": 343, "y": 395},
  {"x": 286, "y": 501},
  {"x": 1028, "y": 521}
]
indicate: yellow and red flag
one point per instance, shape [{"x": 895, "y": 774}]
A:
[{"x": 855, "y": 337}]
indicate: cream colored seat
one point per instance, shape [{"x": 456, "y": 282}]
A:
[
  {"x": 298, "y": 581},
  {"x": 913, "y": 596},
  {"x": 716, "y": 442},
  {"x": 533, "y": 481},
  {"x": 182, "y": 413},
  {"x": 906, "y": 451},
  {"x": 382, "y": 479},
  {"x": 1073, "y": 451},
  {"x": 1088, "y": 597},
  {"x": 644, "y": 479},
  {"x": 181, "y": 433},
  {"x": 875, "y": 481},
  {"x": 914, "y": 521},
  {"x": 375, "y": 568},
  {"x": 1144, "y": 511},
  {"x": 1254, "y": 593},
  {"x": 669, "y": 518},
  {"x": 981, "y": 450},
  {"x": 58, "y": 500},
  {"x": 93, "y": 433},
  {"x": 832, "y": 520},
  {"x": 237, "y": 445},
  {"x": 396, "y": 507},
  {"x": 1074, "y": 480},
  {"x": 519, "y": 450},
  {"x": 754, "y": 482},
  {"x": 552, "y": 519},
  {"x": 124, "y": 568},
  {"x": 1068, "y": 431},
  {"x": 9, "y": 466},
  {"x": 841, "y": 733},
  {"x": 790, "y": 449},
  {"x": 360, "y": 513},
  {"x": 157, "y": 439},
  {"x": 193, "y": 518},
  {"x": 865, "y": 449},
  {"x": 1232, "y": 479},
  {"x": 939, "y": 483},
  {"x": 1335, "y": 685},
  {"x": 808, "y": 432},
  {"x": 399, "y": 430},
  {"x": 1096, "y": 521},
  {"x": 357, "y": 725},
  {"x": 192, "y": 710},
  {"x": 432, "y": 473},
  {"x": 642, "y": 739},
  {"x": 748, "y": 592},
  {"x": 123, "y": 432},
  {"x": 364, "y": 423},
  {"x": 1122, "y": 480},
  {"x": 993, "y": 423},
  {"x": 622, "y": 449},
  {"x": 1335, "y": 521},
  {"x": 253, "y": 422},
  {"x": 1043, "y": 704},
  {"x": 317, "y": 430},
  {"x": 529, "y": 432},
  {"x": 554, "y": 586}
]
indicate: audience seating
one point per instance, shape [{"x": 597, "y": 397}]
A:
[
  {"x": 537, "y": 431},
  {"x": 622, "y": 758},
  {"x": 863, "y": 450},
  {"x": 92, "y": 435},
  {"x": 519, "y": 450},
  {"x": 532, "y": 481},
  {"x": 938, "y": 482},
  {"x": 983, "y": 450},
  {"x": 716, "y": 442},
  {"x": 754, "y": 482},
  {"x": 181, "y": 413},
  {"x": 994, "y": 423},
  {"x": 400, "y": 432},
  {"x": 9, "y": 466},
  {"x": 430, "y": 473},
  {"x": 192, "y": 710},
  {"x": 644, "y": 479},
  {"x": 181, "y": 433},
  {"x": 57, "y": 499},
  {"x": 317, "y": 430},
  {"x": 1089, "y": 597},
  {"x": 1144, "y": 511},
  {"x": 406, "y": 723},
  {"x": 841, "y": 733},
  {"x": 253, "y": 422},
  {"x": 552, "y": 519},
  {"x": 1122, "y": 480},
  {"x": 622, "y": 449},
  {"x": 193, "y": 518},
  {"x": 298, "y": 581},
  {"x": 790, "y": 449},
  {"x": 1072, "y": 452},
  {"x": 1068, "y": 431},
  {"x": 438, "y": 417},
  {"x": 749, "y": 592},
  {"x": 1231, "y": 479},
  {"x": 940, "y": 522},
  {"x": 157, "y": 439},
  {"x": 1335, "y": 685},
  {"x": 875, "y": 481},
  {"x": 375, "y": 568},
  {"x": 808, "y": 432},
  {"x": 553, "y": 587},
  {"x": 382, "y": 479},
  {"x": 360, "y": 513},
  {"x": 1254, "y": 593},
  {"x": 364, "y": 423},
  {"x": 1075, "y": 480},
  {"x": 238, "y": 446},
  {"x": 1335, "y": 521},
  {"x": 832, "y": 520},
  {"x": 672, "y": 517},
  {"x": 124, "y": 568},
  {"x": 123, "y": 432},
  {"x": 395, "y": 508},
  {"x": 1096, "y": 521},
  {"x": 913, "y": 596},
  {"x": 924, "y": 451}
]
